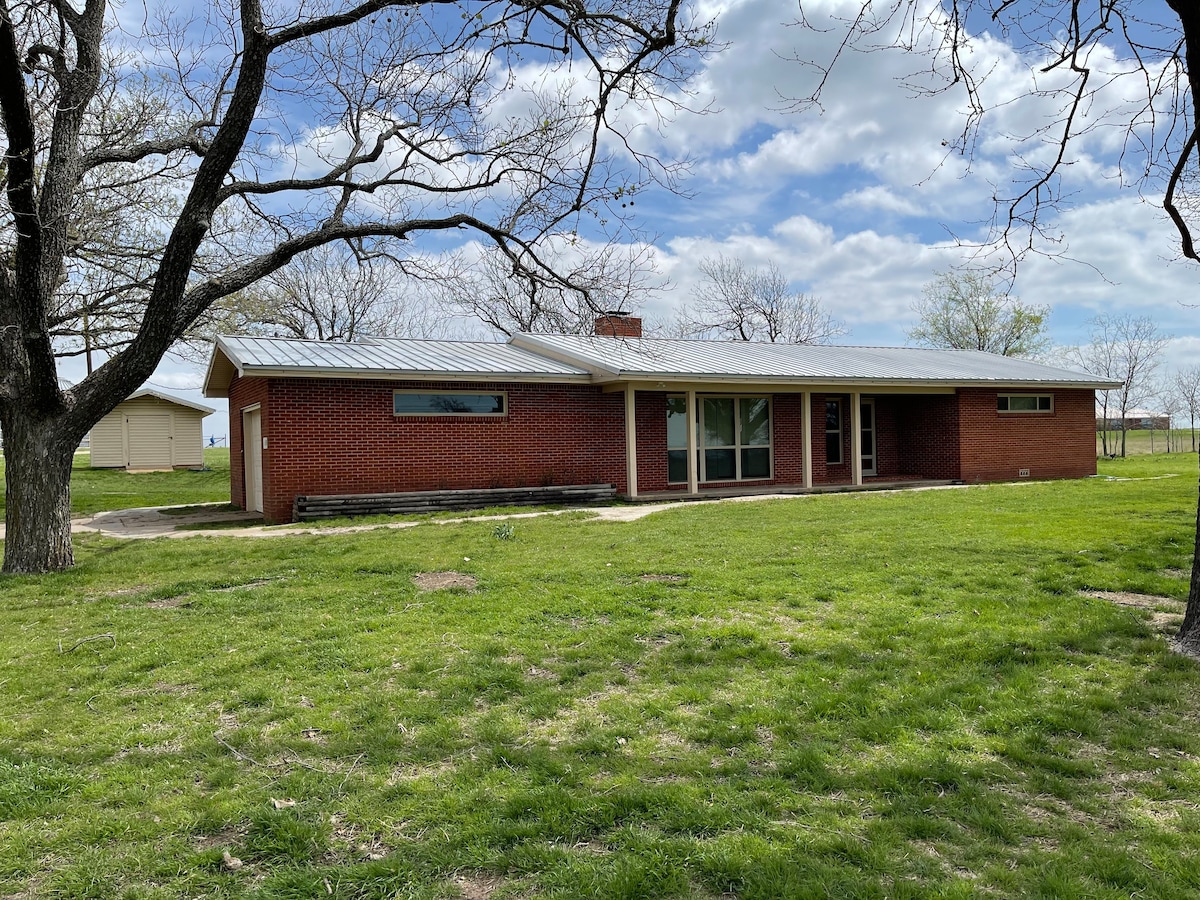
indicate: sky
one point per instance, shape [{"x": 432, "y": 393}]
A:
[{"x": 861, "y": 202}]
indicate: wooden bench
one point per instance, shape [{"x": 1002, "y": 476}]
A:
[{"x": 432, "y": 501}]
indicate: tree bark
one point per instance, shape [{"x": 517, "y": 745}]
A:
[
  {"x": 37, "y": 473},
  {"x": 1189, "y": 631}
]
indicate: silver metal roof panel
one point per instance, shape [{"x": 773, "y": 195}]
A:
[
  {"x": 393, "y": 358},
  {"x": 648, "y": 358}
]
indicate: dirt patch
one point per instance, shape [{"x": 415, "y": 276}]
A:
[
  {"x": 437, "y": 581},
  {"x": 477, "y": 887},
  {"x": 226, "y": 837},
  {"x": 181, "y": 602},
  {"x": 1165, "y": 614},
  {"x": 350, "y": 839},
  {"x": 258, "y": 582},
  {"x": 1139, "y": 601},
  {"x": 1177, "y": 573},
  {"x": 414, "y": 772},
  {"x": 164, "y": 687},
  {"x": 663, "y": 578}
]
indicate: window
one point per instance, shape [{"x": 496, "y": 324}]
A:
[
  {"x": 677, "y": 439},
  {"x": 833, "y": 432},
  {"x": 734, "y": 438},
  {"x": 448, "y": 403},
  {"x": 1024, "y": 403}
]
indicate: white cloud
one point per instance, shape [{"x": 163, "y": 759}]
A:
[{"x": 878, "y": 197}]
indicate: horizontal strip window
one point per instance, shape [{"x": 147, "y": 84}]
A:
[
  {"x": 1025, "y": 403},
  {"x": 448, "y": 403}
]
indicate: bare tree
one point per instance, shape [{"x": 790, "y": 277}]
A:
[
  {"x": 492, "y": 288},
  {"x": 970, "y": 311},
  {"x": 737, "y": 302},
  {"x": 191, "y": 147},
  {"x": 1169, "y": 402},
  {"x": 1187, "y": 386},
  {"x": 1125, "y": 349},
  {"x": 1152, "y": 96},
  {"x": 330, "y": 295}
]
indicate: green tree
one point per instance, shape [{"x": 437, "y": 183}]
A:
[{"x": 969, "y": 311}]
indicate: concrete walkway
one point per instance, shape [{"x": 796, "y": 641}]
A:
[{"x": 217, "y": 520}]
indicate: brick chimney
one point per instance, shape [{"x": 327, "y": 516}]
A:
[{"x": 618, "y": 323}]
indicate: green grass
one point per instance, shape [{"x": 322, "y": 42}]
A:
[
  {"x": 1138, "y": 442},
  {"x": 98, "y": 490},
  {"x": 851, "y": 695}
]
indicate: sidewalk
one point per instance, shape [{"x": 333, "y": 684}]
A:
[{"x": 159, "y": 521}]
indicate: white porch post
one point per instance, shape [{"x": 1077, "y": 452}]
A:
[
  {"x": 806, "y": 437},
  {"x": 630, "y": 442},
  {"x": 856, "y": 437},
  {"x": 693, "y": 467}
]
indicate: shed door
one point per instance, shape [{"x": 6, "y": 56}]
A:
[
  {"x": 252, "y": 452},
  {"x": 149, "y": 441}
]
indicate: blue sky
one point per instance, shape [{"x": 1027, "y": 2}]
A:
[{"x": 858, "y": 203}]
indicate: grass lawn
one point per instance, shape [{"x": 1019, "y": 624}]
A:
[
  {"x": 1138, "y": 442},
  {"x": 850, "y": 695},
  {"x": 96, "y": 490}
]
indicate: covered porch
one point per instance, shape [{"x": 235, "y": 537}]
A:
[{"x": 754, "y": 438}]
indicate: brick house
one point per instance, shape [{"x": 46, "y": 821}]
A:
[{"x": 391, "y": 415}]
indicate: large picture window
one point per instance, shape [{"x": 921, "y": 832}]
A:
[
  {"x": 448, "y": 403},
  {"x": 734, "y": 438},
  {"x": 833, "y": 432}
]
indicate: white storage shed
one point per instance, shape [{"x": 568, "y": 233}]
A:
[{"x": 150, "y": 430}]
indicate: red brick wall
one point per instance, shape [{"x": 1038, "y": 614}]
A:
[
  {"x": 995, "y": 446},
  {"x": 335, "y": 436},
  {"x": 651, "y": 421},
  {"x": 887, "y": 441},
  {"x": 340, "y": 437},
  {"x": 823, "y": 471},
  {"x": 244, "y": 392},
  {"x": 927, "y": 435}
]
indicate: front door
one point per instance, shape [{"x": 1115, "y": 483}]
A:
[
  {"x": 868, "y": 437},
  {"x": 252, "y": 453}
]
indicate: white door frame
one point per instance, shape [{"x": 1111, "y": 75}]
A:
[
  {"x": 870, "y": 461},
  {"x": 252, "y": 454}
]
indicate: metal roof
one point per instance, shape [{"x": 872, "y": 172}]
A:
[
  {"x": 579, "y": 358},
  {"x": 620, "y": 359},
  {"x": 381, "y": 358}
]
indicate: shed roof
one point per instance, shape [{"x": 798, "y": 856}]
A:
[
  {"x": 171, "y": 398},
  {"x": 612, "y": 359},
  {"x": 390, "y": 358}
]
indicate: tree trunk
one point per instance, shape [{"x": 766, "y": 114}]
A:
[
  {"x": 37, "y": 471},
  {"x": 1189, "y": 631}
]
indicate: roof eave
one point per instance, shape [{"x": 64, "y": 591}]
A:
[
  {"x": 168, "y": 398},
  {"x": 826, "y": 380},
  {"x": 403, "y": 375},
  {"x": 217, "y": 384}
]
